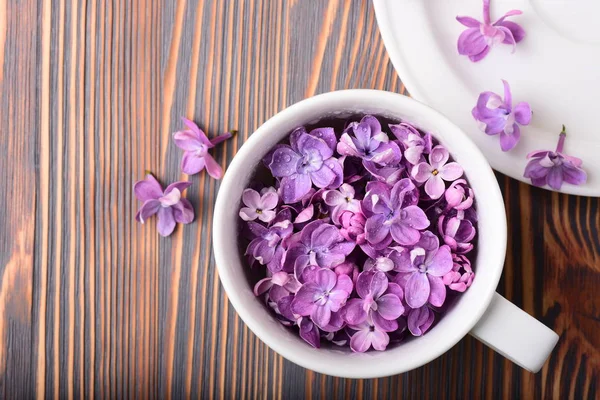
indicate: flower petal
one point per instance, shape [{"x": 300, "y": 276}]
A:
[
  {"x": 262, "y": 286},
  {"x": 507, "y": 142},
  {"x": 321, "y": 315},
  {"x": 326, "y": 279},
  {"x": 195, "y": 129},
  {"x": 354, "y": 312},
  {"x": 375, "y": 230},
  {"x": 517, "y": 32},
  {"x": 323, "y": 177},
  {"x": 451, "y": 171},
  {"x": 437, "y": 296},
  {"x": 441, "y": 263},
  {"x": 166, "y": 221},
  {"x": 469, "y": 22},
  {"x": 417, "y": 290},
  {"x": 251, "y": 198},
  {"x": 181, "y": 186},
  {"x": 183, "y": 212},
  {"x": 221, "y": 138},
  {"x": 191, "y": 163},
  {"x": 361, "y": 341},
  {"x": 555, "y": 178},
  {"x": 308, "y": 143},
  {"x": 574, "y": 175},
  {"x": 383, "y": 324},
  {"x": 212, "y": 167},
  {"x": 284, "y": 161},
  {"x": 148, "y": 189},
  {"x": 389, "y": 306},
  {"x": 327, "y": 135},
  {"x": 379, "y": 340},
  {"x": 310, "y": 333},
  {"x": 187, "y": 141},
  {"x": 148, "y": 209},
  {"x": 295, "y": 187},
  {"x": 522, "y": 113},
  {"x": 420, "y": 320},
  {"x": 435, "y": 187},
  {"x": 404, "y": 234},
  {"x": 438, "y": 156},
  {"x": 421, "y": 172},
  {"x": 471, "y": 42}
]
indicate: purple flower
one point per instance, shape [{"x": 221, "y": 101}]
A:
[
  {"x": 381, "y": 263},
  {"x": 476, "y": 41},
  {"x": 353, "y": 226},
  {"x": 457, "y": 232},
  {"x": 169, "y": 205},
  {"x": 317, "y": 244},
  {"x": 368, "y": 142},
  {"x": 389, "y": 175},
  {"x": 422, "y": 270},
  {"x": 461, "y": 276},
  {"x": 436, "y": 172},
  {"x": 419, "y": 320},
  {"x": 415, "y": 144},
  {"x": 553, "y": 167},
  {"x": 280, "y": 285},
  {"x": 368, "y": 335},
  {"x": 267, "y": 247},
  {"x": 459, "y": 195},
  {"x": 393, "y": 214},
  {"x": 319, "y": 298},
  {"x": 196, "y": 145},
  {"x": 308, "y": 160},
  {"x": 496, "y": 116},
  {"x": 341, "y": 200},
  {"x": 379, "y": 299},
  {"x": 259, "y": 205},
  {"x": 347, "y": 268}
]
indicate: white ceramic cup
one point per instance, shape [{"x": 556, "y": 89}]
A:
[{"x": 480, "y": 311}]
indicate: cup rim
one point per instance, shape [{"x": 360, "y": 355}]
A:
[{"x": 354, "y": 366}]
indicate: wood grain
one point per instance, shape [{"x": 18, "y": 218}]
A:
[{"x": 94, "y": 305}]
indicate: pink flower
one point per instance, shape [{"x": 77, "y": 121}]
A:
[
  {"x": 461, "y": 276},
  {"x": 476, "y": 41},
  {"x": 259, "y": 205},
  {"x": 436, "y": 172},
  {"x": 196, "y": 145}
]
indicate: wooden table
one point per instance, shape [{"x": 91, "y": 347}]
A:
[{"x": 94, "y": 304}]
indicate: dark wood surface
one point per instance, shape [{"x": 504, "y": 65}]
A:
[{"x": 93, "y": 304}]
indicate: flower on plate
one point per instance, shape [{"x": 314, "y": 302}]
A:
[
  {"x": 457, "y": 231},
  {"x": 415, "y": 144},
  {"x": 306, "y": 161},
  {"x": 421, "y": 271},
  {"x": 268, "y": 245},
  {"x": 420, "y": 320},
  {"x": 319, "y": 244},
  {"x": 459, "y": 195},
  {"x": 259, "y": 205},
  {"x": 461, "y": 276},
  {"x": 368, "y": 335},
  {"x": 479, "y": 37},
  {"x": 366, "y": 140},
  {"x": 438, "y": 170},
  {"x": 169, "y": 206},
  {"x": 552, "y": 168},
  {"x": 319, "y": 298},
  {"x": 497, "y": 116},
  {"x": 379, "y": 299},
  {"x": 341, "y": 200},
  {"x": 393, "y": 214},
  {"x": 195, "y": 144}
]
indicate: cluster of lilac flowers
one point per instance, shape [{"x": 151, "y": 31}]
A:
[{"x": 360, "y": 236}]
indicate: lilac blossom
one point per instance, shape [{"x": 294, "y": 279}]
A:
[
  {"x": 393, "y": 214},
  {"x": 278, "y": 286},
  {"x": 461, "y": 276},
  {"x": 459, "y": 195},
  {"x": 420, "y": 320},
  {"x": 306, "y": 161},
  {"x": 415, "y": 144},
  {"x": 319, "y": 244},
  {"x": 476, "y": 41},
  {"x": 422, "y": 271},
  {"x": 353, "y": 226},
  {"x": 552, "y": 168},
  {"x": 259, "y": 205},
  {"x": 341, "y": 200},
  {"x": 438, "y": 170},
  {"x": 195, "y": 144},
  {"x": 368, "y": 335},
  {"x": 169, "y": 206},
  {"x": 379, "y": 299},
  {"x": 457, "y": 231},
  {"x": 366, "y": 140},
  {"x": 268, "y": 245},
  {"x": 497, "y": 116},
  {"x": 381, "y": 263},
  {"x": 319, "y": 298}
]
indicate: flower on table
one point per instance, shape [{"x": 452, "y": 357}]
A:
[
  {"x": 366, "y": 140},
  {"x": 327, "y": 293},
  {"x": 393, "y": 214},
  {"x": 306, "y": 161},
  {"x": 552, "y": 168},
  {"x": 195, "y": 144},
  {"x": 379, "y": 299},
  {"x": 438, "y": 170},
  {"x": 169, "y": 206},
  {"x": 497, "y": 116},
  {"x": 479, "y": 37},
  {"x": 259, "y": 205}
]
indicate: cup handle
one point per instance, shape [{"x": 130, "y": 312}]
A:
[{"x": 515, "y": 334}]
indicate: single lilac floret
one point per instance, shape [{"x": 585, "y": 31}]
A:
[
  {"x": 341, "y": 200},
  {"x": 415, "y": 144},
  {"x": 259, "y": 205},
  {"x": 459, "y": 195},
  {"x": 368, "y": 335},
  {"x": 278, "y": 286},
  {"x": 169, "y": 206},
  {"x": 479, "y": 37},
  {"x": 436, "y": 171},
  {"x": 552, "y": 168},
  {"x": 460, "y": 278},
  {"x": 393, "y": 214},
  {"x": 497, "y": 116},
  {"x": 306, "y": 161},
  {"x": 268, "y": 245},
  {"x": 196, "y": 145},
  {"x": 457, "y": 231},
  {"x": 366, "y": 140},
  {"x": 420, "y": 320}
]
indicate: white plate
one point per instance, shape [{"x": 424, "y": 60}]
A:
[{"x": 556, "y": 69}]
